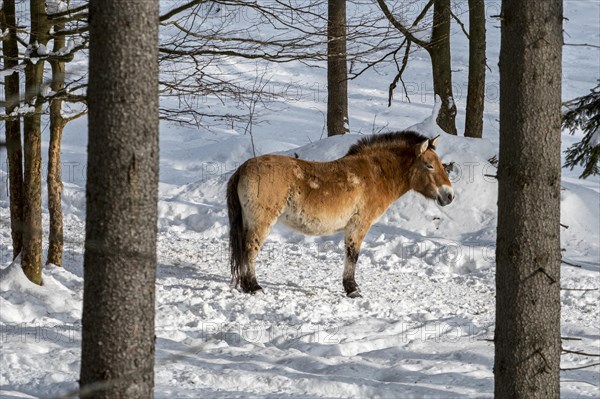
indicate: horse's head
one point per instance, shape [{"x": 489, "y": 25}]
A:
[{"x": 428, "y": 176}]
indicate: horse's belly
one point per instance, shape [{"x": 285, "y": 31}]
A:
[{"x": 315, "y": 225}]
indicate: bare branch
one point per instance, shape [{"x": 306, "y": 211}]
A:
[
  {"x": 580, "y": 367},
  {"x": 71, "y": 18},
  {"x": 571, "y": 338},
  {"x": 581, "y": 45},
  {"x": 68, "y": 12},
  {"x": 581, "y": 353},
  {"x": 75, "y": 116},
  {"x": 399, "y": 75},
  {"x": 423, "y": 13},
  {"x": 276, "y": 57},
  {"x": 404, "y": 30},
  {"x": 180, "y": 9},
  {"x": 459, "y": 22},
  {"x": 570, "y": 264},
  {"x": 72, "y": 32}
]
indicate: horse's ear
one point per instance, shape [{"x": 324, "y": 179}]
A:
[
  {"x": 422, "y": 147},
  {"x": 434, "y": 141}
]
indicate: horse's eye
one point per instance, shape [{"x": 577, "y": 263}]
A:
[{"x": 429, "y": 166}]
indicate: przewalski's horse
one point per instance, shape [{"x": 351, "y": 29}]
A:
[{"x": 322, "y": 198}]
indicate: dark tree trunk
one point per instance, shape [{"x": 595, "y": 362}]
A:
[
  {"x": 439, "y": 50},
  {"x": 337, "y": 70},
  {"x": 527, "y": 351},
  {"x": 54, "y": 181},
  {"x": 122, "y": 185},
  {"x": 477, "y": 64},
  {"x": 13, "y": 127},
  {"x": 32, "y": 144}
]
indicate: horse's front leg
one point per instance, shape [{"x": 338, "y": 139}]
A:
[{"x": 353, "y": 237}]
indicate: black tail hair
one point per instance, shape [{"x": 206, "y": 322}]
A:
[{"x": 237, "y": 234}]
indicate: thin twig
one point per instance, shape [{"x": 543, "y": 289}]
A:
[
  {"x": 401, "y": 69},
  {"x": 585, "y": 382},
  {"x": 75, "y": 116},
  {"x": 581, "y": 353},
  {"x": 570, "y": 264},
  {"x": 462, "y": 26},
  {"x": 581, "y": 45},
  {"x": 179, "y": 9},
  {"x": 580, "y": 367},
  {"x": 67, "y": 12}
]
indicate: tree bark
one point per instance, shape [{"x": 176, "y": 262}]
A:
[
  {"x": 527, "y": 341},
  {"x": 13, "y": 127},
  {"x": 31, "y": 259},
  {"x": 337, "y": 70},
  {"x": 477, "y": 64},
  {"x": 122, "y": 192},
  {"x": 439, "y": 51},
  {"x": 54, "y": 180}
]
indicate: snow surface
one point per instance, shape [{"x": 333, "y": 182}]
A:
[{"x": 424, "y": 324}]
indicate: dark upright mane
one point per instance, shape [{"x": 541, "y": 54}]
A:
[{"x": 404, "y": 138}]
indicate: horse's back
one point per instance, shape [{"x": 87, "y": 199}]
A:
[{"x": 316, "y": 198}]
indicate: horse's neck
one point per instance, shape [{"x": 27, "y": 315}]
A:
[
  {"x": 392, "y": 171},
  {"x": 399, "y": 173}
]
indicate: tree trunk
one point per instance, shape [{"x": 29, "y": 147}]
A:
[
  {"x": 337, "y": 70},
  {"x": 527, "y": 341},
  {"x": 13, "y": 127},
  {"x": 54, "y": 181},
  {"x": 31, "y": 260},
  {"x": 439, "y": 50},
  {"x": 122, "y": 193},
  {"x": 477, "y": 64}
]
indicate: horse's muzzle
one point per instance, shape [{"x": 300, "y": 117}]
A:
[{"x": 445, "y": 195}]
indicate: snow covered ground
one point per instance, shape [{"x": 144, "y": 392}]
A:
[{"x": 424, "y": 324}]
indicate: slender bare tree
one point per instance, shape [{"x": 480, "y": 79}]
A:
[
  {"x": 477, "y": 65},
  {"x": 337, "y": 69},
  {"x": 14, "y": 148},
  {"x": 527, "y": 351},
  {"x": 54, "y": 179},
  {"x": 439, "y": 51},
  {"x": 31, "y": 260}
]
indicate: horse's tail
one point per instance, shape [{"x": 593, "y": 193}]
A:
[{"x": 237, "y": 236}]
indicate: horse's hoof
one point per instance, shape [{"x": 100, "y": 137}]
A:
[
  {"x": 251, "y": 288},
  {"x": 256, "y": 289},
  {"x": 354, "y": 294}
]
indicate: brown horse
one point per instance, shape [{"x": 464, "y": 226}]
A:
[{"x": 322, "y": 198}]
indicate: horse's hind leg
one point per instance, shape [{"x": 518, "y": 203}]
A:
[
  {"x": 263, "y": 190},
  {"x": 354, "y": 234},
  {"x": 255, "y": 237}
]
